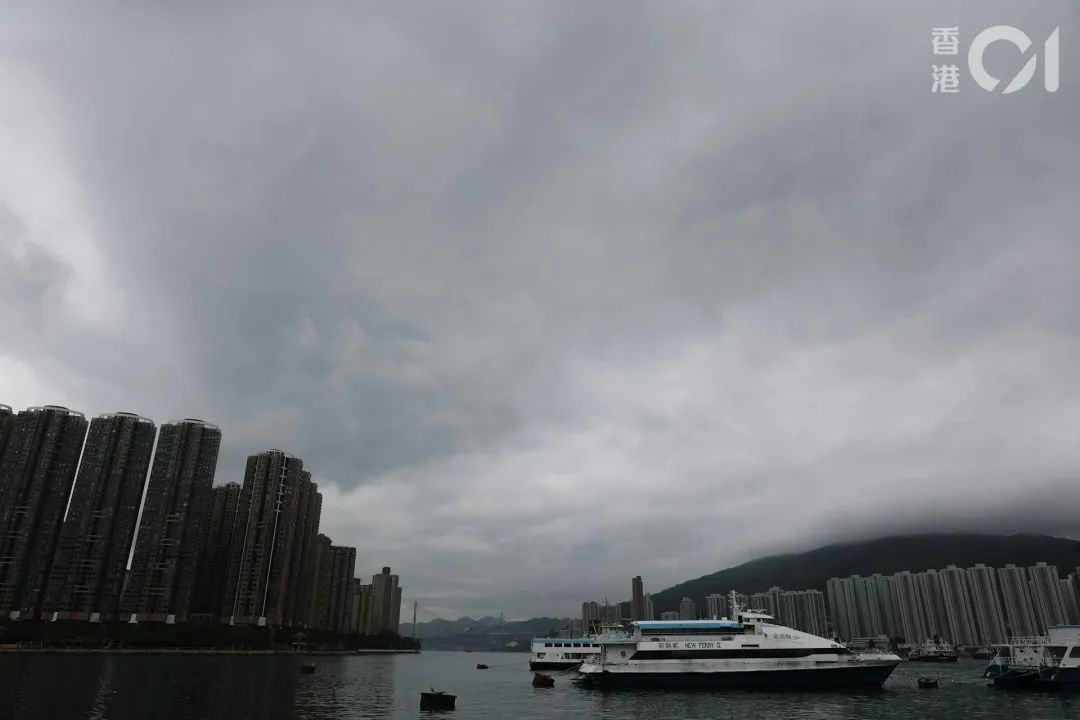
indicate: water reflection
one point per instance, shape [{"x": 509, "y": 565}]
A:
[{"x": 133, "y": 687}]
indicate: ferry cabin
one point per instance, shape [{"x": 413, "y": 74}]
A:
[{"x": 561, "y": 653}]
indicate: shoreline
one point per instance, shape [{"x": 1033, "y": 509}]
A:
[{"x": 203, "y": 651}]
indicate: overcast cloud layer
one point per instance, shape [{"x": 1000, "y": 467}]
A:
[{"x": 549, "y": 295}]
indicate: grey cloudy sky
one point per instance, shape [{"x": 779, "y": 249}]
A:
[{"x": 551, "y": 294}]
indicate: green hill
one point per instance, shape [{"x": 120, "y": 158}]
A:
[{"x": 811, "y": 570}]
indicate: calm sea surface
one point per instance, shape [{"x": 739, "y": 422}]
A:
[{"x": 130, "y": 687}]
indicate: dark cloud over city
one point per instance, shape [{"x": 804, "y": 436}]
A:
[{"x": 547, "y": 295}]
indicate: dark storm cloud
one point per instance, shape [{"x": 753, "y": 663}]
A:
[{"x": 548, "y": 295}]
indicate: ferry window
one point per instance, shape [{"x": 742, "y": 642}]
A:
[
  {"x": 623, "y": 653},
  {"x": 1075, "y": 652}
]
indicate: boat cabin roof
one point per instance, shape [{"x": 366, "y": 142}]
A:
[{"x": 660, "y": 625}]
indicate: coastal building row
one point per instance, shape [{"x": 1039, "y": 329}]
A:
[
  {"x": 251, "y": 553},
  {"x": 977, "y": 606}
]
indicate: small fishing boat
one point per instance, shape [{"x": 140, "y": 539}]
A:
[
  {"x": 928, "y": 683},
  {"x": 437, "y": 700},
  {"x": 542, "y": 680},
  {"x": 307, "y": 668},
  {"x": 481, "y": 666}
]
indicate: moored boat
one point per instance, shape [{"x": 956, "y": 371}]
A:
[
  {"x": 1050, "y": 662},
  {"x": 750, "y": 651},
  {"x": 561, "y": 653},
  {"x": 934, "y": 651}
]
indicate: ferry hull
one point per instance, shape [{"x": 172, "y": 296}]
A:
[
  {"x": 1047, "y": 679},
  {"x": 553, "y": 665},
  {"x": 863, "y": 677}
]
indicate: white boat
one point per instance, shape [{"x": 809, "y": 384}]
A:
[
  {"x": 750, "y": 651},
  {"x": 561, "y": 653},
  {"x": 1049, "y": 662}
]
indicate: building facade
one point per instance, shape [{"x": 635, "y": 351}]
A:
[
  {"x": 385, "y": 602},
  {"x": 214, "y": 563},
  {"x": 257, "y": 589},
  {"x": 175, "y": 518},
  {"x": 91, "y": 560},
  {"x": 1047, "y": 597},
  {"x": 338, "y": 588},
  {"x": 37, "y": 471},
  {"x": 637, "y": 599},
  {"x": 687, "y": 609},
  {"x": 1016, "y": 594}
]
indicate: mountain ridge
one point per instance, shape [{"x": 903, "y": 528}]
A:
[{"x": 886, "y": 555}]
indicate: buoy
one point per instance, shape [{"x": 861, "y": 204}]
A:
[{"x": 437, "y": 700}]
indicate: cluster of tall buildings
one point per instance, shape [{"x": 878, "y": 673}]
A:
[
  {"x": 977, "y": 606},
  {"x": 800, "y": 609},
  {"x": 246, "y": 554}
]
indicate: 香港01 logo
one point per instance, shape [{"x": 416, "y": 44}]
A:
[{"x": 946, "y": 77}]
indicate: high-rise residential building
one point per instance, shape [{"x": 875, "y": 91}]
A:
[
  {"x": 611, "y": 613},
  {"x": 1046, "y": 595},
  {"x": 912, "y": 616},
  {"x": 91, "y": 559},
  {"x": 687, "y": 609},
  {"x": 36, "y": 473},
  {"x": 933, "y": 604},
  {"x": 758, "y": 601},
  {"x": 1072, "y": 600},
  {"x": 7, "y": 419},
  {"x": 637, "y": 599},
  {"x": 716, "y": 606},
  {"x": 590, "y": 614},
  {"x": 214, "y": 565},
  {"x": 772, "y": 603},
  {"x": 361, "y": 608},
  {"x": 816, "y": 620},
  {"x": 986, "y": 604},
  {"x": 805, "y": 610},
  {"x": 963, "y": 630},
  {"x": 337, "y": 581},
  {"x": 670, "y": 615},
  {"x": 867, "y": 608},
  {"x": 842, "y": 604},
  {"x": 385, "y": 602},
  {"x": 890, "y": 610},
  {"x": 257, "y": 590},
  {"x": 311, "y": 551},
  {"x": 300, "y": 603},
  {"x": 396, "y": 619},
  {"x": 172, "y": 530},
  {"x": 316, "y": 580},
  {"x": 1016, "y": 593},
  {"x": 650, "y": 609}
]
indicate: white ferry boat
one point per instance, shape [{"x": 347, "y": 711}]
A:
[
  {"x": 748, "y": 652},
  {"x": 561, "y": 653},
  {"x": 1050, "y": 662}
]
